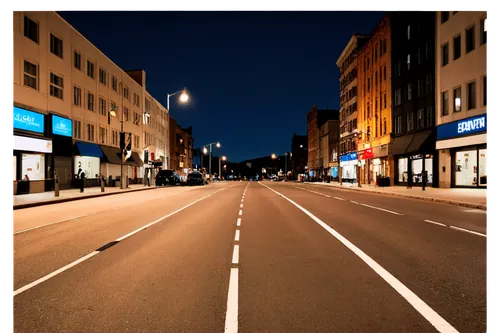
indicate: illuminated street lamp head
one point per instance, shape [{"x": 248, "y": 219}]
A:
[
  {"x": 112, "y": 113},
  {"x": 205, "y": 150},
  {"x": 184, "y": 96},
  {"x": 273, "y": 156},
  {"x": 224, "y": 158},
  {"x": 218, "y": 145}
]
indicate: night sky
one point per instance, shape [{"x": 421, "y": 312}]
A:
[{"x": 252, "y": 76}]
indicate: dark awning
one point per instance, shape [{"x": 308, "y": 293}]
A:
[
  {"x": 134, "y": 160},
  {"x": 112, "y": 155},
  {"x": 411, "y": 143},
  {"x": 87, "y": 149},
  {"x": 399, "y": 144},
  {"x": 418, "y": 142}
]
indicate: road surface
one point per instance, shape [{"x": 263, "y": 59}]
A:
[{"x": 250, "y": 257}]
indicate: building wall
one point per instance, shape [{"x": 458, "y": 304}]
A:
[{"x": 312, "y": 139}]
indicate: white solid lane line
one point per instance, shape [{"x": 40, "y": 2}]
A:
[
  {"x": 240, "y": 213},
  {"x": 237, "y": 235},
  {"x": 382, "y": 209},
  {"x": 426, "y": 311},
  {"x": 238, "y": 222},
  {"x": 441, "y": 224},
  {"x": 339, "y": 198},
  {"x": 355, "y": 202},
  {"x": 469, "y": 231},
  {"x": 231, "y": 325},
  {"x": 90, "y": 255},
  {"x": 236, "y": 254}
]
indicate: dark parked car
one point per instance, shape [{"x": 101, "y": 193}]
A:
[
  {"x": 167, "y": 177},
  {"x": 195, "y": 178}
]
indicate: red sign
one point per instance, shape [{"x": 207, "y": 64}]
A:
[
  {"x": 152, "y": 156},
  {"x": 367, "y": 154}
]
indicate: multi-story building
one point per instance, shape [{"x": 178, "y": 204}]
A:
[
  {"x": 299, "y": 155},
  {"x": 315, "y": 119},
  {"x": 413, "y": 103},
  {"x": 181, "y": 148},
  {"x": 373, "y": 131},
  {"x": 348, "y": 66},
  {"x": 461, "y": 98},
  {"x": 329, "y": 148},
  {"x": 64, "y": 91}
]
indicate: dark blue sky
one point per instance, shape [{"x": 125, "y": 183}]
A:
[{"x": 252, "y": 76}]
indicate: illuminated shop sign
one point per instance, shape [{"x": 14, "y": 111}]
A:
[
  {"x": 62, "y": 126},
  {"x": 28, "y": 120},
  {"x": 349, "y": 157},
  {"x": 462, "y": 127}
]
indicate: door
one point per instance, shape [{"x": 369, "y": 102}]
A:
[{"x": 63, "y": 170}]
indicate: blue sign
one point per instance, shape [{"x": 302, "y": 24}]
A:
[
  {"x": 462, "y": 127},
  {"x": 334, "y": 172},
  {"x": 62, "y": 126},
  {"x": 349, "y": 157},
  {"x": 28, "y": 120}
]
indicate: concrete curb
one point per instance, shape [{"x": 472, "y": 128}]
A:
[
  {"x": 100, "y": 194},
  {"x": 440, "y": 200}
]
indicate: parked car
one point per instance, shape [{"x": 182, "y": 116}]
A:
[
  {"x": 195, "y": 178},
  {"x": 167, "y": 177}
]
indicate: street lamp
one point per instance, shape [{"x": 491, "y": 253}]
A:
[
  {"x": 112, "y": 113},
  {"x": 223, "y": 158},
  {"x": 217, "y": 144},
  {"x": 183, "y": 98}
]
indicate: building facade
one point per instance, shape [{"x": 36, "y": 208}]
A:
[
  {"x": 64, "y": 90},
  {"x": 413, "y": 100},
  {"x": 461, "y": 98},
  {"x": 299, "y": 155},
  {"x": 348, "y": 66},
  {"x": 315, "y": 119},
  {"x": 181, "y": 148},
  {"x": 329, "y": 148},
  {"x": 374, "y": 105}
]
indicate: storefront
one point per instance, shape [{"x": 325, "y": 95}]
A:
[
  {"x": 32, "y": 152},
  {"x": 348, "y": 164},
  {"x": 62, "y": 140},
  {"x": 462, "y": 153},
  {"x": 414, "y": 159},
  {"x": 87, "y": 159}
]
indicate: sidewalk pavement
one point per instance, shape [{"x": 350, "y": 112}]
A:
[
  {"x": 473, "y": 198},
  {"x": 47, "y": 198}
]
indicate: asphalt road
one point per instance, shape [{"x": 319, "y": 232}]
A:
[{"x": 249, "y": 257}]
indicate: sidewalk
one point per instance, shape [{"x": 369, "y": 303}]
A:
[
  {"x": 47, "y": 198},
  {"x": 473, "y": 198}
]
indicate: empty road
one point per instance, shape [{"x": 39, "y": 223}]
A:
[{"x": 250, "y": 257}]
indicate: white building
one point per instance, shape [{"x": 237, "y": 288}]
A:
[
  {"x": 461, "y": 98},
  {"x": 64, "y": 89}
]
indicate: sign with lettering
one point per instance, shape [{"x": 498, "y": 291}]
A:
[
  {"x": 462, "y": 127},
  {"x": 28, "y": 120},
  {"x": 349, "y": 157},
  {"x": 62, "y": 126}
]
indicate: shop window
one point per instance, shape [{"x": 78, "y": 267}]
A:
[
  {"x": 418, "y": 171},
  {"x": 482, "y": 167},
  {"x": 466, "y": 168},
  {"x": 457, "y": 99},
  {"x": 91, "y": 166},
  {"x": 403, "y": 170},
  {"x": 33, "y": 165}
]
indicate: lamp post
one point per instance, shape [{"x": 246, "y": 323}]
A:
[
  {"x": 183, "y": 99},
  {"x": 223, "y": 158},
  {"x": 217, "y": 144},
  {"x": 112, "y": 113}
]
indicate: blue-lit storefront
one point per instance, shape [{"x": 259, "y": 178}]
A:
[
  {"x": 463, "y": 153},
  {"x": 348, "y": 164},
  {"x": 32, "y": 152},
  {"x": 61, "y": 130}
]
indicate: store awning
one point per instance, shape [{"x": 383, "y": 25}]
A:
[
  {"x": 111, "y": 154},
  {"x": 134, "y": 160},
  {"x": 420, "y": 142},
  {"x": 88, "y": 149}
]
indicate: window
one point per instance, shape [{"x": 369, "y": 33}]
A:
[
  {"x": 368, "y": 84},
  {"x": 102, "y": 106},
  {"x": 112, "y": 106},
  {"x": 102, "y": 135},
  {"x": 90, "y": 132},
  {"x": 125, "y": 92},
  {"x": 428, "y": 83},
  {"x": 56, "y": 86},
  {"x": 420, "y": 118},
  {"x": 367, "y": 110},
  {"x": 31, "y": 29},
  {"x": 419, "y": 60},
  {"x": 385, "y": 100},
  {"x": 102, "y": 76},
  {"x": 469, "y": 40},
  {"x": 385, "y": 126},
  {"x": 471, "y": 95},
  {"x": 445, "y": 16},
  {"x": 114, "y": 83},
  {"x": 482, "y": 39},
  {"x": 376, "y": 105},
  {"x": 125, "y": 114},
  {"x": 444, "y": 51},
  {"x": 114, "y": 138},
  {"x": 419, "y": 88},
  {"x": 408, "y": 32},
  {"x": 397, "y": 97},
  {"x": 430, "y": 116},
  {"x": 457, "y": 99},
  {"x": 30, "y": 74},
  {"x": 56, "y": 46},
  {"x": 444, "y": 106},
  {"x": 77, "y": 96},
  {"x": 484, "y": 90},
  {"x": 136, "y": 141},
  {"x": 385, "y": 73},
  {"x": 376, "y": 80},
  {"x": 409, "y": 121},
  {"x": 399, "y": 128},
  {"x": 137, "y": 118},
  {"x": 90, "y": 101},
  {"x": 77, "y": 60},
  {"x": 457, "y": 46},
  {"x": 77, "y": 126},
  {"x": 90, "y": 69},
  {"x": 408, "y": 91},
  {"x": 397, "y": 69}
]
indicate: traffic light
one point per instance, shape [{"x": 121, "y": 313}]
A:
[
  {"x": 129, "y": 144},
  {"x": 122, "y": 140}
]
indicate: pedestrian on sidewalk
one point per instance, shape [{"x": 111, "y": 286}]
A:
[
  {"x": 26, "y": 178},
  {"x": 82, "y": 181}
]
